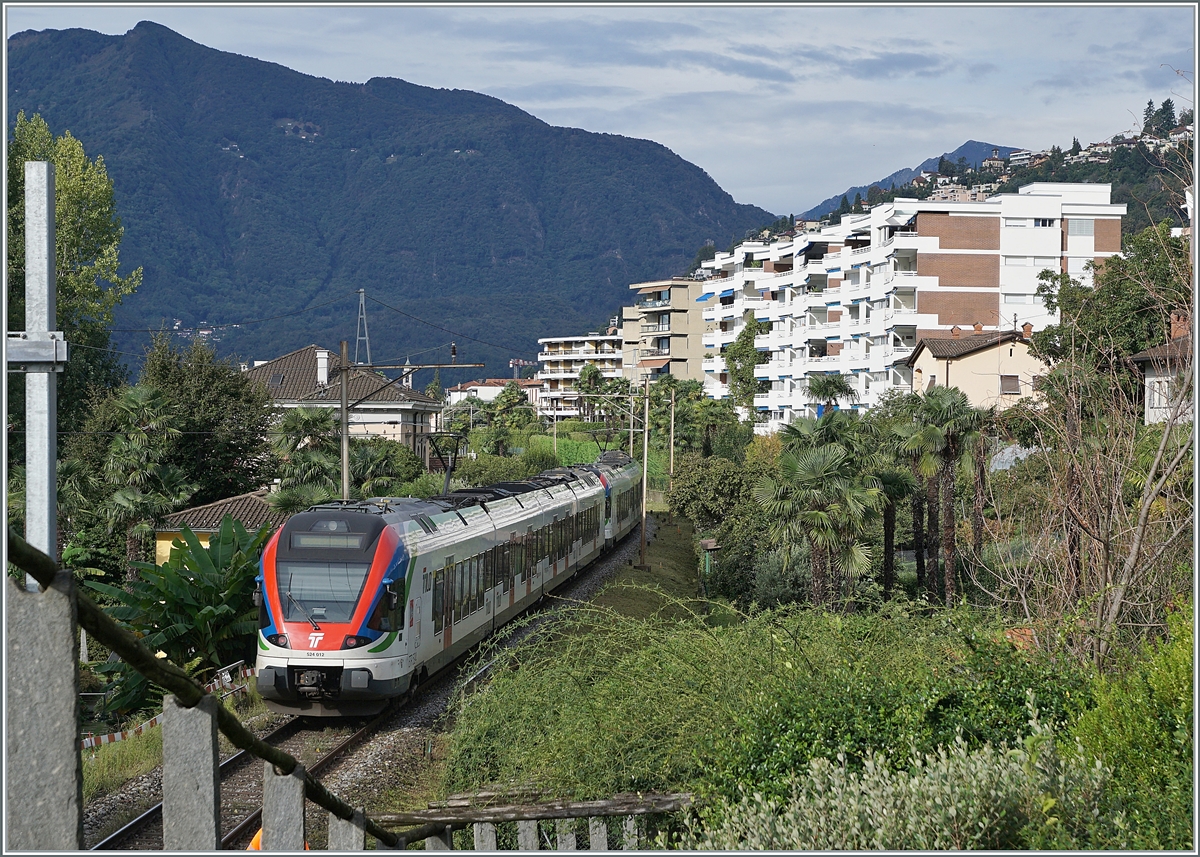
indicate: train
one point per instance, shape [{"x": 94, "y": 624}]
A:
[{"x": 360, "y": 601}]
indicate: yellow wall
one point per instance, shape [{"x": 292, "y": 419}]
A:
[
  {"x": 163, "y": 540},
  {"x": 978, "y": 374}
]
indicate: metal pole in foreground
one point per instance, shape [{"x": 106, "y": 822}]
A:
[
  {"x": 41, "y": 385},
  {"x": 345, "y": 380},
  {"x": 645, "y": 465},
  {"x": 671, "y": 463}
]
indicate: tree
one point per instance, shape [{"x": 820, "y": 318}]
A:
[
  {"x": 821, "y": 497},
  {"x": 829, "y": 389},
  {"x": 1075, "y": 147},
  {"x": 948, "y": 412},
  {"x": 87, "y": 263},
  {"x": 224, "y": 419},
  {"x": 590, "y": 383},
  {"x": 511, "y": 409},
  {"x": 741, "y": 356},
  {"x": 434, "y": 388},
  {"x": 140, "y": 486},
  {"x": 1148, "y": 117},
  {"x": 1130, "y": 306}
]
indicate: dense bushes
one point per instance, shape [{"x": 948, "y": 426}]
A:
[
  {"x": 1026, "y": 796},
  {"x": 799, "y": 728},
  {"x": 659, "y": 704},
  {"x": 1142, "y": 727}
]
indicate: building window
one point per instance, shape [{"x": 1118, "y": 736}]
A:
[
  {"x": 1043, "y": 221},
  {"x": 1018, "y": 260},
  {"x": 1017, "y": 299},
  {"x": 1010, "y": 385},
  {"x": 1016, "y": 222},
  {"x": 1078, "y": 226}
]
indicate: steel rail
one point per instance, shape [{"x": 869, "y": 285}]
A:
[{"x": 125, "y": 831}]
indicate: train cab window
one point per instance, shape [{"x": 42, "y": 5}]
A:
[{"x": 385, "y": 616}]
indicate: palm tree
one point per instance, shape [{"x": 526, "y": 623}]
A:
[
  {"x": 829, "y": 389},
  {"x": 821, "y": 497},
  {"x": 896, "y": 485},
  {"x": 305, "y": 428},
  {"x": 916, "y": 444},
  {"x": 948, "y": 411},
  {"x": 143, "y": 487}
]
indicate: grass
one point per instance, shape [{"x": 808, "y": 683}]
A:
[
  {"x": 108, "y": 767},
  {"x": 668, "y": 587}
]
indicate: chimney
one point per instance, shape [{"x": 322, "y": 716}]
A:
[
  {"x": 1026, "y": 330},
  {"x": 322, "y": 368},
  {"x": 955, "y": 332},
  {"x": 978, "y": 327},
  {"x": 1180, "y": 325}
]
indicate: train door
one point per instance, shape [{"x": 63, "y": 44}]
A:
[
  {"x": 531, "y": 559},
  {"x": 512, "y": 566},
  {"x": 447, "y": 611}
]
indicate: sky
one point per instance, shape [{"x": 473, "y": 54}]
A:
[{"x": 783, "y": 105}]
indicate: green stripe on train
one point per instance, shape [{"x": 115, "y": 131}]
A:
[{"x": 383, "y": 644}]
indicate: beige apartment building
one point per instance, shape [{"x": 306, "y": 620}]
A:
[{"x": 661, "y": 332}]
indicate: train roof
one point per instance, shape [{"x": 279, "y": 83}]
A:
[{"x": 413, "y": 508}]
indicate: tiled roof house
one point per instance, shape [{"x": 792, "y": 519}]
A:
[
  {"x": 994, "y": 368},
  {"x": 250, "y": 509},
  {"x": 310, "y": 378}
]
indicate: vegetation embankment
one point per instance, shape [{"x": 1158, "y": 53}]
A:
[{"x": 894, "y": 623}]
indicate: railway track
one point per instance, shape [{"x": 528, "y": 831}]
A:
[{"x": 241, "y": 782}]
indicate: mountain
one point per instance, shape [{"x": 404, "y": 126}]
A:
[
  {"x": 972, "y": 151},
  {"x": 249, "y": 191}
]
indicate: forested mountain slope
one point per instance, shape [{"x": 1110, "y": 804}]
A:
[{"x": 248, "y": 190}]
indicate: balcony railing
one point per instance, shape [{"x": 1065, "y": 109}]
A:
[
  {"x": 654, "y": 352},
  {"x": 858, "y": 251},
  {"x": 656, "y": 328},
  {"x": 653, "y": 304}
]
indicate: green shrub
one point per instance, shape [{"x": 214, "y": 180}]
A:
[
  {"x": 1027, "y": 795},
  {"x": 1142, "y": 728},
  {"x": 889, "y": 681}
]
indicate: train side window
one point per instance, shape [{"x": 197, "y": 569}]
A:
[
  {"x": 479, "y": 579},
  {"x": 474, "y": 584}
]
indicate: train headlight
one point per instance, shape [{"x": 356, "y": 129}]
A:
[
  {"x": 278, "y": 640},
  {"x": 353, "y": 642}
]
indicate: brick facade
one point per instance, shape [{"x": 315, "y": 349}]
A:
[
  {"x": 960, "y": 233},
  {"x": 1108, "y": 236},
  {"x": 973, "y": 269},
  {"x": 961, "y": 308}
]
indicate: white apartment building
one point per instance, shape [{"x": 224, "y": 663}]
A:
[
  {"x": 563, "y": 358},
  {"x": 854, "y": 299}
]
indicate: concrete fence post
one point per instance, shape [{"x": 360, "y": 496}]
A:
[
  {"x": 44, "y": 789},
  {"x": 283, "y": 809},
  {"x": 564, "y": 833},
  {"x": 485, "y": 836},
  {"x": 631, "y": 833},
  {"x": 443, "y": 841},
  {"x": 597, "y": 834},
  {"x": 348, "y": 834},
  {"x": 527, "y": 836},
  {"x": 191, "y": 778}
]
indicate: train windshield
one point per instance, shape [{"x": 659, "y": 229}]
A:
[{"x": 320, "y": 591}]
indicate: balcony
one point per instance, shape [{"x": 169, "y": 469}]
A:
[
  {"x": 859, "y": 251},
  {"x": 656, "y": 328},
  {"x": 654, "y": 352},
  {"x": 653, "y": 304},
  {"x": 713, "y": 364}
]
